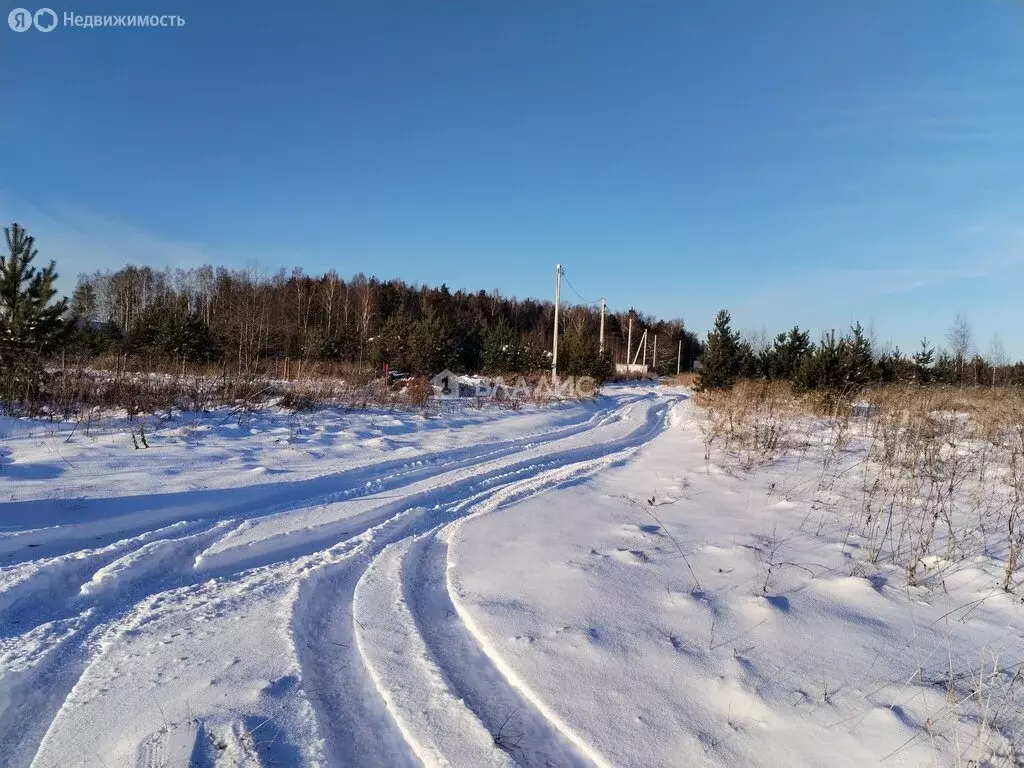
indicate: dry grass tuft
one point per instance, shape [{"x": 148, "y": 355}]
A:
[
  {"x": 922, "y": 481},
  {"x": 418, "y": 391},
  {"x": 938, "y": 472},
  {"x": 687, "y": 379},
  {"x": 754, "y": 421}
]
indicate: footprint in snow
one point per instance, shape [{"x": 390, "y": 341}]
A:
[{"x": 624, "y": 556}]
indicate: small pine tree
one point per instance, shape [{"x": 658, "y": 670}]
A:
[
  {"x": 751, "y": 362},
  {"x": 946, "y": 369},
  {"x": 500, "y": 348},
  {"x": 781, "y": 360},
  {"x": 823, "y": 368},
  {"x": 432, "y": 347},
  {"x": 894, "y": 366},
  {"x": 723, "y": 356},
  {"x": 840, "y": 365},
  {"x": 923, "y": 360},
  {"x": 168, "y": 330},
  {"x": 580, "y": 355},
  {"x": 85, "y": 303},
  {"x": 391, "y": 344},
  {"x": 858, "y": 359},
  {"x": 32, "y": 324}
]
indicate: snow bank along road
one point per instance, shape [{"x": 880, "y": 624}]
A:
[{"x": 193, "y": 604}]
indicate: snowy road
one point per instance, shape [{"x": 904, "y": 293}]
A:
[
  {"x": 284, "y": 623},
  {"x": 582, "y": 585}
]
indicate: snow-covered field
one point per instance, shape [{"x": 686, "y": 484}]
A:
[{"x": 574, "y": 585}]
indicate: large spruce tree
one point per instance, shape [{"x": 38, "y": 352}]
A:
[{"x": 32, "y": 324}]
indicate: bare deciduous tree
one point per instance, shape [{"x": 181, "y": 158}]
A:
[
  {"x": 997, "y": 357},
  {"x": 960, "y": 342}
]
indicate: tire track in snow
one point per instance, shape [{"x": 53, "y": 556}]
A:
[
  {"x": 528, "y": 730},
  {"x": 64, "y": 577},
  {"x": 506, "y": 714},
  {"x": 125, "y": 576},
  {"x": 252, "y": 545},
  {"x": 433, "y": 719},
  {"x": 91, "y": 591},
  {"x": 47, "y": 672},
  {"x": 333, "y": 646},
  {"x": 143, "y": 512},
  {"x": 353, "y": 722},
  {"x": 61, "y": 577},
  {"x": 348, "y": 706}
]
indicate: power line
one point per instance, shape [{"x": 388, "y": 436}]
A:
[{"x": 581, "y": 298}]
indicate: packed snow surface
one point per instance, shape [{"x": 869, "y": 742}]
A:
[{"x": 580, "y": 585}]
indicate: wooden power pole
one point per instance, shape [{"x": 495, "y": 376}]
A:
[{"x": 554, "y": 351}]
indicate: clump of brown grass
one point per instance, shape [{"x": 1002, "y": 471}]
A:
[
  {"x": 418, "y": 391},
  {"x": 988, "y": 411},
  {"x": 753, "y": 421},
  {"x": 685, "y": 379}
]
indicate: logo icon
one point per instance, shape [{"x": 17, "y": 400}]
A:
[
  {"x": 45, "y": 20},
  {"x": 20, "y": 20}
]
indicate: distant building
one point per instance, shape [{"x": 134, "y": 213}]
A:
[{"x": 631, "y": 367}]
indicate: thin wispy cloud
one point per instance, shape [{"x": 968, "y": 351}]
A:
[
  {"x": 81, "y": 240},
  {"x": 952, "y": 115},
  {"x": 979, "y": 256}
]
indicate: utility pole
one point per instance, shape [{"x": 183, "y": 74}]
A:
[
  {"x": 654, "y": 357},
  {"x": 679, "y": 358},
  {"x": 554, "y": 351},
  {"x": 601, "y": 337},
  {"x": 641, "y": 346}
]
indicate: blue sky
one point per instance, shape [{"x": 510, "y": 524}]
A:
[{"x": 797, "y": 162}]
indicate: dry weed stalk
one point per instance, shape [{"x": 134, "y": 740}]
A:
[
  {"x": 939, "y": 471},
  {"x": 754, "y": 421}
]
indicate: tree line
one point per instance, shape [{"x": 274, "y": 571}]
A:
[
  {"x": 242, "y": 320},
  {"x": 851, "y": 360},
  {"x": 215, "y": 314}
]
